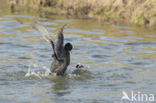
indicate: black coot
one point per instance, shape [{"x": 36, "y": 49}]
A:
[{"x": 61, "y": 52}]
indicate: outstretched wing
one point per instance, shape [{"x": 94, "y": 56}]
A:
[
  {"x": 58, "y": 46},
  {"x": 43, "y": 31},
  {"x": 59, "y": 43}
]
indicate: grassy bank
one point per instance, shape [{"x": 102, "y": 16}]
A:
[{"x": 141, "y": 12}]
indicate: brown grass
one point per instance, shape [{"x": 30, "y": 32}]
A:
[{"x": 142, "y": 12}]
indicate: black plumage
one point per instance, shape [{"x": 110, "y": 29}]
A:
[{"x": 61, "y": 52}]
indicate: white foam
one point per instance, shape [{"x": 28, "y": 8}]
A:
[
  {"x": 37, "y": 71},
  {"x": 41, "y": 71}
]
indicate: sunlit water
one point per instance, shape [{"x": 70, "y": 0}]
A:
[{"x": 116, "y": 58}]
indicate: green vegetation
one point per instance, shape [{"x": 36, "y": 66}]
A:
[{"x": 141, "y": 12}]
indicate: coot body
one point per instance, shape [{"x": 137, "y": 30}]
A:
[{"x": 61, "y": 56}]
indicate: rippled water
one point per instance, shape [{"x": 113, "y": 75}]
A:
[{"x": 116, "y": 58}]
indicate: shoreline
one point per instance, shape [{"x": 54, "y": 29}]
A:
[{"x": 139, "y": 12}]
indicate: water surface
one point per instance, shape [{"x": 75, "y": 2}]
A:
[{"x": 116, "y": 57}]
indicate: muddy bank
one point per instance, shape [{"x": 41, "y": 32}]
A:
[{"x": 141, "y": 12}]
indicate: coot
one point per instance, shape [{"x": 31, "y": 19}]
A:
[{"x": 61, "y": 54}]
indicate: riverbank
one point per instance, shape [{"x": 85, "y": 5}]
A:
[{"x": 140, "y": 12}]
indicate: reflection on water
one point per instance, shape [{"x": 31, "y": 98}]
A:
[{"x": 116, "y": 57}]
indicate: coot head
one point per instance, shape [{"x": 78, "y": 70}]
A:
[{"x": 68, "y": 47}]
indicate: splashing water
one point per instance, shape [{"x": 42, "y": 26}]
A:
[
  {"x": 34, "y": 70},
  {"x": 40, "y": 71}
]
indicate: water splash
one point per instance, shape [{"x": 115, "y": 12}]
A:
[
  {"x": 36, "y": 70},
  {"x": 40, "y": 71}
]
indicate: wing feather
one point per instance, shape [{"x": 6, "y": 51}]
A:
[{"x": 43, "y": 31}]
